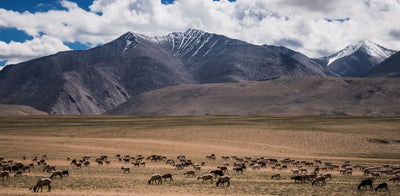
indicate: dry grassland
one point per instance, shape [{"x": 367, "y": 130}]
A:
[{"x": 361, "y": 140}]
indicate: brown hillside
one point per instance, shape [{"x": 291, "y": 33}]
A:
[
  {"x": 283, "y": 96},
  {"x": 13, "y": 110}
]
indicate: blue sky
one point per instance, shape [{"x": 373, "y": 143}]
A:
[
  {"x": 33, "y": 6},
  {"x": 34, "y": 28}
]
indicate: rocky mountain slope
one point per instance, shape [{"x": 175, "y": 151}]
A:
[
  {"x": 99, "y": 79},
  {"x": 356, "y": 60},
  {"x": 283, "y": 96},
  {"x": 388, "y": 68}
]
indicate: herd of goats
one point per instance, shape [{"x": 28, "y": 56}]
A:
[{"x": 320, "y": 174}]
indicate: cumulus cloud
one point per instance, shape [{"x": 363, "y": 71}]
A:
[
  {"x": 309, "y": 26},
  {"x": 15, "y": 52}
]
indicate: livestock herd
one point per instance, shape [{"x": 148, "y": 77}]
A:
[{"x": 314, "y": 172}]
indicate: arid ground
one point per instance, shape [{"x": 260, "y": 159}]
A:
[{"x": 371, "y": 141}]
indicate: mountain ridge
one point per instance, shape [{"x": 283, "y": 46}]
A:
[
  {"x": 97, "y": 80},
  {"x": 356, "y": 60},
  {"x": 279, "y": 96}
]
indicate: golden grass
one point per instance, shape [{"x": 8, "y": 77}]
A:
[{"x": 304, "y": 138}]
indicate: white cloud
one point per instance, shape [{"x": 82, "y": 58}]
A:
[
  {"x": 299, "y": 24},
  {"x": 15, "y": 52}
]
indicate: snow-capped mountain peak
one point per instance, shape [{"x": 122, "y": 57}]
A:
[{"x": 369, "y": 47}]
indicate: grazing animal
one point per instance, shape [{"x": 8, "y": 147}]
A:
[
  {"x": 56, "y": 173},
  {"x": 135, "y": 164},
  {"x": 126, "y": 169},
  {"x": 14, "y": 168},
  {"x": 319, "y": 179},
  {"x": 382, "y": 186},
  {"x": 26, "y": 167},
  {"x": 49, "y": 168},
  {"x": 211, "y": 157},
  {"x": 18, "y": 173},
  {"x": 86, "y": 163},
  {"x": 276, "y": 176},
  {"x": 42, "y": 182},
  {"x": 5, "y": 174},
  {"x": 256, "y": 167},
  {"x": 73, "y": 162},
  {"x": 295, "y": 171},
  {"x": 78, "y": 165},
  {"x": 327, "y": 176},
  {"x": 7, "y": 167},
  {"x": 238, "y": 169},
  {"x": 297, "y": 178},
  {"x": 224, "y": 179},
  {"x": 197, "y": 168},
  {"x": 167, "y": 176},
  {"x": 206, "y": 177},
  {"x": 217, "y": 173},
  {"x": 394, "y": 179},
  {"x": 376, "y": 174},
  {"x": 189, "y": 172},
  {"x": 157, "y": 178},
  {"x": 65, "y": 173},
  {"x": 223, "y": 168},
  {"x": 365, "y": 183}
]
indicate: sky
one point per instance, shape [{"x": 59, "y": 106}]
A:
[{"x": 34, "y": 28}]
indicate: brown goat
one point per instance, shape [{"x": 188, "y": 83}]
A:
[
  {"x": 42, "y": 182},
  {"x": 206, "y": 177},
  {"x": 157, "y": 178},
  {"x": 167, "y": 176},
  {"x": 5, "y": 174}
]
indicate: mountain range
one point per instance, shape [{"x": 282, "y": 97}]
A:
[
  {"x": 100, "y": 79},
  {"x": 356, "y": 60}
]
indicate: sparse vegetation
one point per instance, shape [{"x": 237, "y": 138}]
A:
[{"x": 330, "y": 139}]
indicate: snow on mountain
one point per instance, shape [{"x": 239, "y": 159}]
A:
[
  {"x": 356, "y": 60},
  {"x": 378, "y": 52},
  {"x": 192, "y": 41}
]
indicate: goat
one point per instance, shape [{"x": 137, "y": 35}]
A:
[
  {"x": 166, "y": 176},
  {"x": 327, "y": 176},
  {"x": 26, "y": 167},
  {"x": 217, "y": 173},
  {"x": 189, "y": 172},
  {"x": 276, "y": 176},
  {"x": 224, "y": 179},
  {"x": 211, "y": 157},
  {"x": 365, "y": 183},
  {"x": 42, "y": 182},
  {"x": 206, "y": 177},
  {"x": 319, "y": 179},
  {"x": 18, "y": 173},
  {"x": 223, "y": 168},
  {"x": 376, "y": 174},
  {"x": 56, "y": 173},
  {"x": 126, "y": 169},
  {"x": 394, "y": 179},
  {"x": 65, "y": 173},
  {"x": 49, "y": 168},
  {"x": 157, "y": 178},
  {"x": 5, "y": 174},
  {"x": 297, "y": 178},
  {"x": 382, "y": 186},
  {"x": 135, "y": 164},
  {"x": 238, "y": 169}
]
